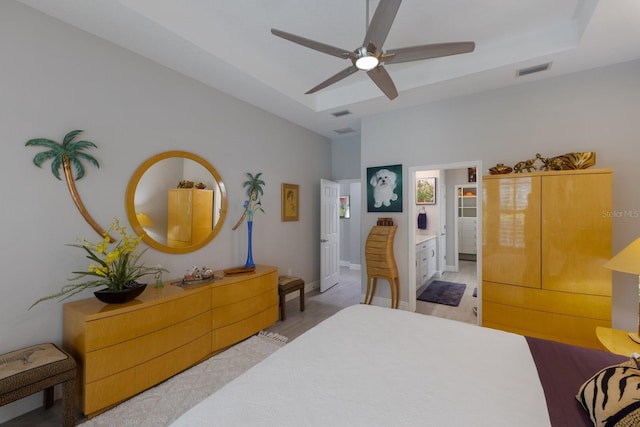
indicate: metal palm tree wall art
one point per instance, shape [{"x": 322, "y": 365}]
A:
[{"x": 64, "y": 156}]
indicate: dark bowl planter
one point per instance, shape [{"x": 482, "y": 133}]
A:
[{"x": 119, "y": 297}]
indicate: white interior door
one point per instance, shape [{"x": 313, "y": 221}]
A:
[{"x": 329, "y": 234}]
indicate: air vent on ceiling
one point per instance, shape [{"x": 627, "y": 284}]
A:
[
  {"x": 535, "y": 69},
  {"x": 344, "y": 130},
  {"x": 341, "y": 113}
]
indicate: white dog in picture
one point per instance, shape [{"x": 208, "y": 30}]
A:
[{"x": 384, "y": 184}]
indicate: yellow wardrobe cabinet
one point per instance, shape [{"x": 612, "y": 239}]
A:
[
  {"x": 190, "y": 216},
  {"x": 545, "y": 238}
]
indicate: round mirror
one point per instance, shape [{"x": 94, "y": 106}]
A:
[{"x": 176, "y": 201}]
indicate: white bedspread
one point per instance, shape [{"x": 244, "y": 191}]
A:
[{"x": 372, "y": 366}]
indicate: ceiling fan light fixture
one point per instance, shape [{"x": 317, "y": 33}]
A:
[{"x": 365, "y": 60}]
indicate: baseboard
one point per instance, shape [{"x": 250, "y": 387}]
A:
[{"x": 349, "y": 265}]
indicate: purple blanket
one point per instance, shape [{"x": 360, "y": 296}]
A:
[{"x": 562, "y": 369}]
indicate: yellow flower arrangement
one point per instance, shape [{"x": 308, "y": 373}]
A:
[{"x": 114, "y": 264}]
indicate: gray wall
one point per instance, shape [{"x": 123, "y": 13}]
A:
[
  {"x": 595, "y": 110},
  {"x": 54, "y": 79},
  {"x": 345, "y": 158}
]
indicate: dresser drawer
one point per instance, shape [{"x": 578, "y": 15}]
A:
[
  {"x": 542, "y": 324},
  {"x": 239, "y": 291},
  {"x": 122, "y": 356},
  {"x": 580, "y": 305},
  {"x": 123, "y": 327},
  {"x": 236, "y": 312},
  {"x": 231, "y": 334},
  {"x": 108, "y": 391}
]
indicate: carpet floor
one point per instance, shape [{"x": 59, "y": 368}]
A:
[
  {"x": 164, "y": 403},
  {"x": 441, "y": 292}
]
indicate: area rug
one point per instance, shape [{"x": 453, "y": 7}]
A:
[
  {"x": 164, "y": 403},
  {"x": 446, "y": 293}
]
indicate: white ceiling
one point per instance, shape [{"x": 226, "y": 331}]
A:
[{"x": 228, "y": 45}]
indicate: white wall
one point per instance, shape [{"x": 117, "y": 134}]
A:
[
  {"x": 54, "y": 79},
  {"x": 596, "y": 110}
]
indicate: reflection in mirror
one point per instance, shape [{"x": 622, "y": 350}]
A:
[{"x": 171, "y": 219}]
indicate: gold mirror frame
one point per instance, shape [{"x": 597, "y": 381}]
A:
[{"x": 131, "y": 209}]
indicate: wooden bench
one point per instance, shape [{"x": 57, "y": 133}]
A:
[
  {"x": 39, "y": 368},
  {"x": 288, "y": 284}
]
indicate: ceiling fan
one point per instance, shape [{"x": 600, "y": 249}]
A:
[{"x": 369, "y": 57}]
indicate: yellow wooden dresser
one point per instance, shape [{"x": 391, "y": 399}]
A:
[
  {"x": 546, "y": 236},
  {"x": 123, "y": 349}
]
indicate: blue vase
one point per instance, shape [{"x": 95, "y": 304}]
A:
[{"x": 249, "y": 262}]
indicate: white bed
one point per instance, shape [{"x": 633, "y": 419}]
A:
[{"x": 372, "y": 366}]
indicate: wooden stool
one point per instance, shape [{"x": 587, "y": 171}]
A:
[
  {"x": 381, "y": 262},
  {"x": 288, "y": 284},
  {"x": 41, "y": 367}
]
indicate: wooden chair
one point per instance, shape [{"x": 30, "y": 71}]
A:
[{"x": 381, "y": 263}]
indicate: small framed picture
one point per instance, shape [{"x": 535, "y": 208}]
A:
[
  {"x": 426, "y": 191},
  {"x": 290, "y": 197},
  {"x": 345, "y": 211}
]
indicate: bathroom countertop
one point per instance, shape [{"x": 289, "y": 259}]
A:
[{"x": 421, "y": 238}]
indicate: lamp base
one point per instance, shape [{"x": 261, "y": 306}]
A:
[{"x": 634, "y": 336}]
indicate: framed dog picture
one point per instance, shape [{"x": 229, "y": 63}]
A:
[
  {"x": 426, "y": 191},
  {"x": 384, "y": 189}
]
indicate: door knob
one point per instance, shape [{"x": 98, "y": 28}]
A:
[{"x": 323, "y": 241}]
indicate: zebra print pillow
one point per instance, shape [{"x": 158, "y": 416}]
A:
[{"x": 612, "y": 396}]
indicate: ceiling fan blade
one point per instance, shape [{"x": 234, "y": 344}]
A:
[
  {"x": 381, "y": 22},
  {"x": 312, "y": 44},
  {"x": 428, "y": 51},
  {"x": 333, "y": 79},
  {"x": 382, "y": 79}
]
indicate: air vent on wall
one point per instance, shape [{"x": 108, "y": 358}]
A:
[
  {"x": 344, "y": 130},
  {"x": 341, "y": 113},
  {"x": 535, "y": 69}
]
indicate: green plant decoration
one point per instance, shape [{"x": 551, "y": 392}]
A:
[
  {"x": 115, "y": 266},
  {"x": 64, "y": 156},
  {"x": 252, "y": 204}
]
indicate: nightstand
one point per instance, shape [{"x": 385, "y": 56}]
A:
[{"x": 617, "y": 341}]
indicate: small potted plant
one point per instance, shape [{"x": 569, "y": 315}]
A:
[{"x": 114, "y": 265}]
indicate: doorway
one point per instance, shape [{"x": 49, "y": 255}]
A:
[
  {"x": 442, "y": 216},
  {"x": 350, "y": 245}
]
